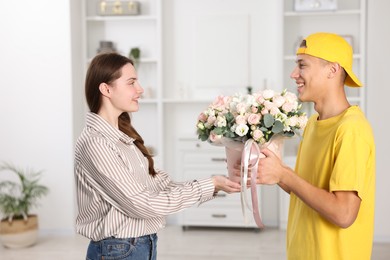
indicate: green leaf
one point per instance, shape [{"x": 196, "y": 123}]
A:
[
  {"x": 289, "y": 134},
  {"x": 268, "y": 120},
  {"x": 278, "y": 127},
  {"x": 17, "y": 198},
  {"x": 219, "y": 130},
  {"x": 229, "y": 117},
  {"x": 203, "y": 137}
]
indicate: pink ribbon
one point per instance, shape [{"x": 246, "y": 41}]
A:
[{"x": 249, "y": 161}]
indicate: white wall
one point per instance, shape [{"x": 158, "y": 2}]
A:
[
  {"x": 378, "y": 93},
  {"x": 36, "y": 101}
]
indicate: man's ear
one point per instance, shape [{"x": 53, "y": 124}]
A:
[
  {"x": 334, "y": 69},
  {"x": 104, "y": 89}
]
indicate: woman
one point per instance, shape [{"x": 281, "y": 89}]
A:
[{"x": 122, "y": 198}]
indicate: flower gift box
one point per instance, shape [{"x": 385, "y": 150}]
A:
[{"x": 246, "y": 123}]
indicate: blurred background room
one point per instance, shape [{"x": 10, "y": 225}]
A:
[{"x": 187, "y": 52}]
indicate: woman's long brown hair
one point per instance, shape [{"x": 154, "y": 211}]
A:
[{"x": 107, "y": 68}]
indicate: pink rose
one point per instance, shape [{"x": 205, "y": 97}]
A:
[
  {"x": 290, "y": 97},
  {"x": 211, "y": 120},
  {"x": 288, "y": 106},
  {"x": 274, "y": 111},
  {"x": 257, "y": 134},
  {"x": 240, "y": 120},
  {"x": 268, "y": 105},
  {"x": 260, "y": 99},
  {"x": 254, "y": 109},
  {"x": 268, "y": 94},
  {"x": 219, "y": 103},
  {"x": 292, "y": 121},
  {"x": 215, "y": 138},
  {"x": 202, "y": 117},
  {"x": 241, "y": 108},
  {"x": 302, "y": 121},
  {"x": 254, "y": 119},
  {"x": 278, "y": 101}
]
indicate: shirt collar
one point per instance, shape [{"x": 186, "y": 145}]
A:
[{"x": 96, "y": 122}]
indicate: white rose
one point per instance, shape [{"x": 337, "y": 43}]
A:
[{"x": 241, "y": 130}]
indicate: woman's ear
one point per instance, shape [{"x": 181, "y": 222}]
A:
[{"x": 104, "y": 89}]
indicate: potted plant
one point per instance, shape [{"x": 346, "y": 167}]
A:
[
  {"x": 135, "y": 56},
  {"x": 18, "y": 227}
]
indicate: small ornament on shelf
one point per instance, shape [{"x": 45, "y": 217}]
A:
[
  {"x": 105, "y": 47},
  {"x": 315, "y": 5},
  {"x": 107, "y": 7}
]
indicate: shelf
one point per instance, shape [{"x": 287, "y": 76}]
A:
[
  {"x": 186, "y": 101},
  {"x": 125, "y": 32},
  {"x": 323, "y": 13},
  {"x": 293, "y": 57},
  {"x": 142, "y": 60},
  {"x": 148, "y": 101},
  {"x": 120, "y": 18}
]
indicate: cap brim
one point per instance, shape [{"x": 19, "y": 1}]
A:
[{"x": 352, "y": 80}]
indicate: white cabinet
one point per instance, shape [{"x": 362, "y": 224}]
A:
[
  {"x": 141, "y": 31},
  {"x": 198, "y": 160}
]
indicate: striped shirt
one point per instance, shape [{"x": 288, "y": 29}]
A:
[{"x": 116, "y": 196}]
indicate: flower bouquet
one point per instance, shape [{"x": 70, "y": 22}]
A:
[{"x": 246, "y": 123}]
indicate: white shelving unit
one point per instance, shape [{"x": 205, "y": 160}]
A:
[
  {"x": 348, "y": 20},
  {"x": 129, "y": 31}
]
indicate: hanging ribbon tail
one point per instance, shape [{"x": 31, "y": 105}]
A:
[
  {"x": 255, "y": 203},
  {"x": 244, "y": 180},
  {"x": 249, "y": 160}
]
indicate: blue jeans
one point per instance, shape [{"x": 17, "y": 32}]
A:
[{"x": 138, "y": 248}]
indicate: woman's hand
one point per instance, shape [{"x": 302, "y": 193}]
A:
[{"x": 223, "y": 183}]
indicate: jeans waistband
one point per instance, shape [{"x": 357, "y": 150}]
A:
[{"x": 130, "y": 239}]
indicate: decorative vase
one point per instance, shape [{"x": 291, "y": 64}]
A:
[
  {"x": 106, "y": 47},
  {"x": 246, "y": 156},
  {"x": 234, "y": 152},
  {"x": 19, "y": 233}
]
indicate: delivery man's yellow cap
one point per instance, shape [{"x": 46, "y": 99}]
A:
[{"x": 333, "y": 48}]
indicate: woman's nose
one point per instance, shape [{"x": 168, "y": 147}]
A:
[{"x": 139, "y": 88}]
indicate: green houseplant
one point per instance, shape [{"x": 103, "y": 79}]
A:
[{"x": 18, "y": 227}]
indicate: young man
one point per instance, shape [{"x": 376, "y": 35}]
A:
[{"x": 332, "y": 190}]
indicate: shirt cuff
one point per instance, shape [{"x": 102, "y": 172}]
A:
[{"x": 207, "y": 189}]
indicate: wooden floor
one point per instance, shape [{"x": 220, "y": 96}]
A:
[{"x": 174, "y": 243}]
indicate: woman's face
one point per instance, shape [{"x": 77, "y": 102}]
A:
[{"x": 126, "y": 90}]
